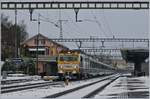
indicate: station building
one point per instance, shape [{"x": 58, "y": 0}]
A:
[{"x": 47, "y": 53}]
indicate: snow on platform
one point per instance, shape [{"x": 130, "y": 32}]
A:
[{"x": 126, "y": 87}]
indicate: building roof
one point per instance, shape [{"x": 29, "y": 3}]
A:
[{"x": 40, "y": 35}]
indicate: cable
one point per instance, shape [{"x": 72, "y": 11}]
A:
[
  {"x": 110, "y": 31},
  {"x": 78, "y": 29},
  {"x": 96, "y": 20},
  {"x": 64, "y": 31},
  {"x": 45, "y": 19},
  {"x": 48, "y": 20}
]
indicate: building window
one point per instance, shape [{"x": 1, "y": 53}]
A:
[
  {"x": 42, "y": 41},
  {"x": 35, "y": 41},
  {"x": 47, "y": 52}
]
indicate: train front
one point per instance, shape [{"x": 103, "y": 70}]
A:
[{"x": 68, "y": 64}]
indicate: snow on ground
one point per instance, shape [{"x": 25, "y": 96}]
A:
[
  {"x": 145, "y": 79},
  {"x": 25, "y": 83},
  {"x": 82, "y": 92},
  {"x": 112, "y": 90},
  {"x": 124, "y": 87},
  {"x": 38, "y": 93},
  {"x": 118, "y": 89},
  {"x": 25, "y": 77}
]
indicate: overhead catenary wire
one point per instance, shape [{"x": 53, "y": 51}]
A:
[
  {"x": 47, "y": 20},
  {"x": 107, "y": 23},
  {"x": 44, "y": 19},
  {"x": 73, "y": 26},
  {"x": 110, "y": 32},
  {"x": 99, "y": 24},
  {"x": 78, "y": 29},
  {"x": 57, "y": 25}
]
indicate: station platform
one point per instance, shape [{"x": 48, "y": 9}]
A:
[{"x": 127, "y": 87}]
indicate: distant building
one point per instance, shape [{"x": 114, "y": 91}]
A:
[
  {"x": 119, "y": 63},
  {"x": 47, "y": 52}
]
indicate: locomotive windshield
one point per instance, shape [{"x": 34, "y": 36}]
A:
[{"x": 68, "y": 58}]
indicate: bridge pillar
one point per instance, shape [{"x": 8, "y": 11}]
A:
[
  {"x": 137, "y": 68},
  {"x": 136, "y": 56}
]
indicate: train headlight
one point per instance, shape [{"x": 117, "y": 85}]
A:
[
  {"x": 74, "y": 72},
  {"x": 76, "y": 66},
  {"x": 60, "y": 66}
]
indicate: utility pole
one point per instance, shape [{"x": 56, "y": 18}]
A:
[
  {"x": 16, "y": 35},
  {"x": 133, "y": 44},
  {"x": 61, "y": 28},
  {"x": 0, "y": 47},
  {"x": 37, "y": 39},
  {"x": 61, "y": 33},
  {"x": 61, "y": 25},
  {"x": 92, "y": 37},
  {"x": 37, "y": 44}
]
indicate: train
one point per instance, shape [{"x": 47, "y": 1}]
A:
[{"x": 76, "y": 64}]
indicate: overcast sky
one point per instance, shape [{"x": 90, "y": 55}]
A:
[{"x": 97, "y": 23}]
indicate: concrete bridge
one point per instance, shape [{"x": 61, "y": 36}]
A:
[{"x": 136, "y": 56}]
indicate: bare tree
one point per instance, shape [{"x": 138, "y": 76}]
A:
[{"x": 8, "y": 30}]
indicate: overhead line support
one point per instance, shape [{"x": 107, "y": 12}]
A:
[{"x": 76, "y": 5}]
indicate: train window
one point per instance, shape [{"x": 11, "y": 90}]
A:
[
  {"x": 61, "y": 59},
  {"x": 103, "y": 66},
  {"x": 68, "y": 58}
]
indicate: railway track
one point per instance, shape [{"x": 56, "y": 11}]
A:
[
  {"x": 17, "y": 81},
  {"x": 4, "y": 82},
  {"x": 8, "y": 89},
  {"x": 69, "y": 91},
  {"x": 13, "y": 88},
  {"x": 99, "y": 89}
]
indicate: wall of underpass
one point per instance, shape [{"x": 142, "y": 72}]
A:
[{"x": 145, "y": 68}]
